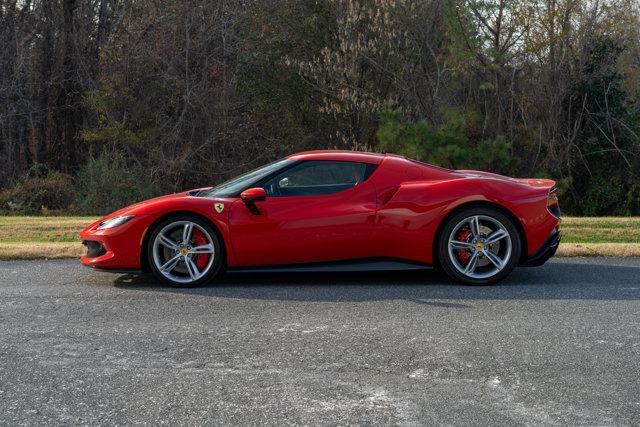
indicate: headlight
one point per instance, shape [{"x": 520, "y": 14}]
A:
[{"x": 115, "y": 222}]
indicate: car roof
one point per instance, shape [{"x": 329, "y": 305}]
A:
[{"x": 339, "y": 155}]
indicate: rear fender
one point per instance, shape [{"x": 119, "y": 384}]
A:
[{"x": 428, "y": 203}]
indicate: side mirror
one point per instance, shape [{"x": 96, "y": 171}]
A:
[{"x": 251, "y": 196}]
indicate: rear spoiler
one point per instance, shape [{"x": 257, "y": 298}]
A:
[{"x": 539, "y": 182}]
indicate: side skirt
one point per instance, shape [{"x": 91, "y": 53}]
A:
[
  {"x": 110, "y": 270},
  {"x": 367, "y": 264}
]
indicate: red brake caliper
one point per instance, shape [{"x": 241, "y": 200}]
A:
[
  {"x": 199, "y": 240},
  {"x": 463, "y": 254}
]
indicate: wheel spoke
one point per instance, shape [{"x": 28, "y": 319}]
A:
[
  {"x": 171, "y": 264},
  {"x": 474, "y": 222},
  {"x": 496, "y": 235},
  {"x": 203, "y": 249},
  {"x": 186, "y": 233},
  {"x": 191, "y": 266},
  {"x": 164, "y": 240},
  {"x": 495, "y": 259},
  {"x": 473, "y": 261},
  {"x": 456, "y": 244}
]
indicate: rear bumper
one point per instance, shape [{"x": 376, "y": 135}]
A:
[{"x": 546, "y": 251}]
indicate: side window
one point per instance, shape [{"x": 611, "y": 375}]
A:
[{"x": 316, "y": 178}]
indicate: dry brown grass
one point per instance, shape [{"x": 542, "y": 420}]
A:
[
  {"x": 40, "y": 250},
  {"x": 599, "y": 249}
]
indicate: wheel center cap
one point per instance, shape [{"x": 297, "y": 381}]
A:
[
  {"x": 479, "y": 246},
  {"x": 184, "y": 251}
]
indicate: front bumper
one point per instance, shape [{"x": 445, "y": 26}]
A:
[
  {"x": 116, "y": 249},
  {"x": 546, "y": 251}
]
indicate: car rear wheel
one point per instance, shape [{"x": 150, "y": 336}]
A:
[
  {"x": 479, "y": 246},
  {"x": 184, "y": 251}
]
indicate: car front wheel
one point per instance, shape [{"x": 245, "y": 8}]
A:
[
  {"x": 479, "y": 246},
  {"x": 184, "y": 251}
]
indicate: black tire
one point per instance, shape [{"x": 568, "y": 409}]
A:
[
  {"x": 451, "y": 266},
  {"x": 218, "y": 255}
]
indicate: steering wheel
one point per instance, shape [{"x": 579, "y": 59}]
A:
[{"x": 273, "y": 189}]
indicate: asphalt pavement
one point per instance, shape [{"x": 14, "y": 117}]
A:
[{"x": 553, "y": 344}]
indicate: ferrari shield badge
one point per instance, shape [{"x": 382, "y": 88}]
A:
[{"x": 219, "y": 207}]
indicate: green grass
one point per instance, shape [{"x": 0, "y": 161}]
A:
[
  {"x": 601, "y": 230},
  {"x": 21, "y": 229},
  {"x": 57, "y": 237},
  {"x": 24, "y": 237}
]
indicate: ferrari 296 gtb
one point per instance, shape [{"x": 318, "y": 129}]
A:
[{"x": 335, "y": 210}]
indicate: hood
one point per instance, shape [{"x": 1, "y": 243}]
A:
[
  {"x": 146, "y": 206},
  {"x": 142, "y": 206}
]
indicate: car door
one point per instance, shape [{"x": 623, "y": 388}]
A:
[{"x": 314, "y": 211}]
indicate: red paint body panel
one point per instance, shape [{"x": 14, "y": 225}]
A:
[
  {"x": 395, "y": 213},
  {"x": 124, "y": 243},
  {"x": 305, "y": 229}
]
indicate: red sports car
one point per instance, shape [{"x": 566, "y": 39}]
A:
[{"x": 335, "y": 210}]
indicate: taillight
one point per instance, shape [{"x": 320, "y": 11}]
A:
[{"x": 552, "y": 203}]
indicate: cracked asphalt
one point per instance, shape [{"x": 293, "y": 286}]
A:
[{"x": 554, "y": 344}]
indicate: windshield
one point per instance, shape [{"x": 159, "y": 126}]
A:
[{"x": 235, "y": 186}]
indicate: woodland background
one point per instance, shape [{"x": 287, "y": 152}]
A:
[{"x": 106, "y": 102}]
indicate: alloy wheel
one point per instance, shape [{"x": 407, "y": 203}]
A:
[
  {"x": 479, "y": 247},
  {"x": 183, "y": 252}
]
